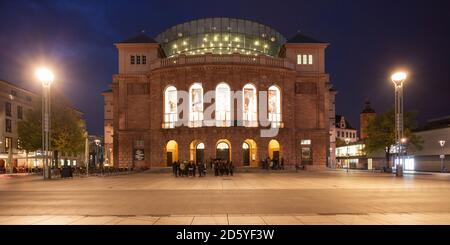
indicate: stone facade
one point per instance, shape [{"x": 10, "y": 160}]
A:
[
  {"x": 365, "y": 117},
  {"x": 138, "y": 115}
]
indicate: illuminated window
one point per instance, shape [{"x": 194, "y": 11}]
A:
[
  {"x": 306, "y": 142},
  {"x": 196, "y": 105},
  {"x": 223, "y": 106},
  {"x": 304, "y": 59},
  {"x": 170, "y": 107},
  {"x": 8, "y": 142},
  {"x": 223, "y": 146},
  {"x": 250, "y": 115},
  {"x": 274, "y": 106}
]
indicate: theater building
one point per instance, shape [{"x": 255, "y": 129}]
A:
[{"x": 220, "y": 88}]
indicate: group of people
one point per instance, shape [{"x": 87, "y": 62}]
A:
[
  {"x": 222, "y": 167},
  {"x": 187, "y": 169},
  {"x": 274, "y": 164},
  {"x": 191, "y": 168}
]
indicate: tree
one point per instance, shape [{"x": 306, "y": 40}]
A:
[
  {"x": 67, "y": 130},
  {"x": 381, "y": 133},
  {"x": 30, "y": 132}
]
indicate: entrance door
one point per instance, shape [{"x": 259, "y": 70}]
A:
[
  {"x": 199, "y": 155},
  {"x": 223, "y": 154},
  {"x": 223, "y": 151},
  {"x": 169, "y": 159},
  {"x": 276, "y": 156},
  {"x": 246, "y": 154}
]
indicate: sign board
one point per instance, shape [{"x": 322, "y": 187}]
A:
[
  {"x": 442, "y": 156},
  {"x": 139, "y": 155}
]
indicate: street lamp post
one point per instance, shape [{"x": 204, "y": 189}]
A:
[
  {"x": 347, "y": 141},
  {"x": 46, "y": 77},
  {"x": 398, "y": 79},
  {"x": 97, "y": 150},
  {"x": 442, "y": 143}
]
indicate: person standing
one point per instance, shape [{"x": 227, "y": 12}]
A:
[
  {"x": 182, "y": 167},
  {"x": 231, "y": 168},
  {"x": 174, "y": 168}
]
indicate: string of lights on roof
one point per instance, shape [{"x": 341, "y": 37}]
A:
[{"x": 195, "y": 38}]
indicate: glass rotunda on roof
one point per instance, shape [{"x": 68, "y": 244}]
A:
[{"x": 221, "y": 36}]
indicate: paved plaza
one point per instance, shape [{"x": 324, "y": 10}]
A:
[{"x": 246, "y": 198}]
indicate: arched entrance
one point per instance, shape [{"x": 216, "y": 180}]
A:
[
  {"x": 274, "y": 150},
  {"x": 171, "y": 152},
  {"x": 249, "y": 153},
  {"x": 223, "y": 150},
  {"x": 197, "y": 151}
]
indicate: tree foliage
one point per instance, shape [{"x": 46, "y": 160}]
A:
[
  {"x": 67, "y": 129},
  {"x": 381, "y": 132},
  {"x": 30, "y": 130}
]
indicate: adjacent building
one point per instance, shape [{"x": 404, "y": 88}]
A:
[
  {"x": 108, "y": 128},
  {"x": 219, "y": 88},
  {"x": 333, "y": 131},
  {"x": 344, "y": 130},
  {"x": 15, "y": 104},
  {"x": 433, "y": 156}
]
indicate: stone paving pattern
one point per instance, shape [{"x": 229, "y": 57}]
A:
[{"x": 305, "y": 198}]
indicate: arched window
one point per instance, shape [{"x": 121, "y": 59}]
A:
[
  {"x": 196, "y": 105},
  {"x": 249, "y": 110},
  {"x": 274, "y": 106},
  {"x": 170, "y": 107},
  {"x": 200, "y": 146},
  {"x": 223, "y": 106}
]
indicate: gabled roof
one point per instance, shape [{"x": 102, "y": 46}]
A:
[
  {"x": 300, "y": 38},
  {"x": 347, "y": 124},
  {"x": 141, "y": 38}
]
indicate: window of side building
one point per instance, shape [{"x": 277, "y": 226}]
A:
[
  {"x": 8, "y": 141},
  {"x": 8, "y": 125},
  {"x": 8, "y": 109},
  {"x": 19, "y": 112}
]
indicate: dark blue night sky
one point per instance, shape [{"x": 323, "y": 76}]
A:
[{"x": 369, "y": 40}]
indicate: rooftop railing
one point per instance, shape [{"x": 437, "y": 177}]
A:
[{"x": 182, "y": 60}]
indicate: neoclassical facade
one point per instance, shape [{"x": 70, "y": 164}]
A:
[{"x": 220, "y": 88}]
